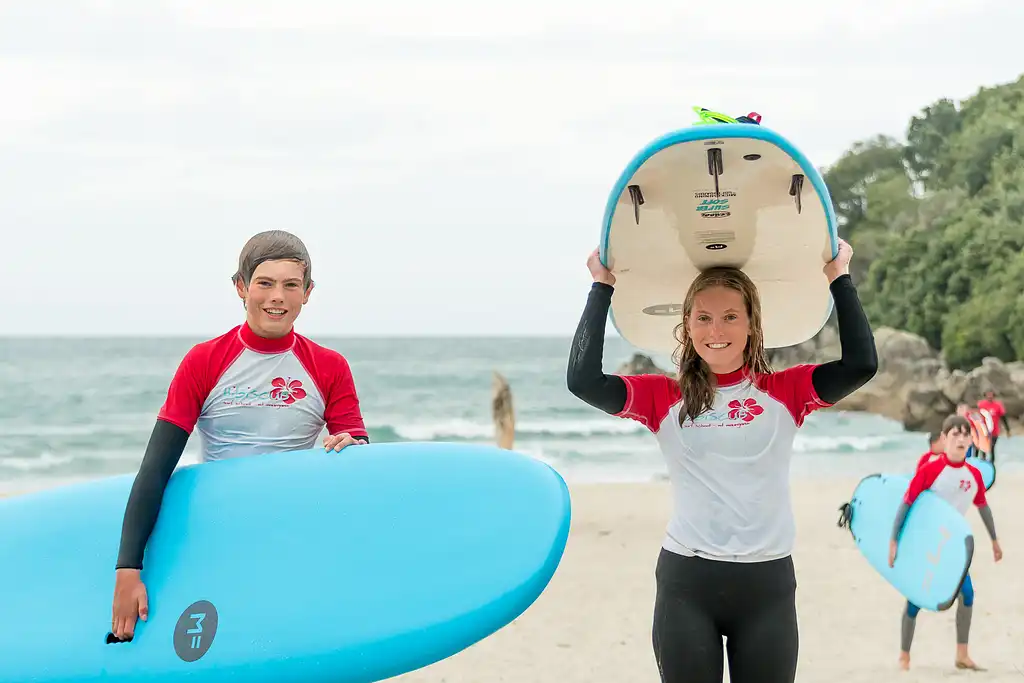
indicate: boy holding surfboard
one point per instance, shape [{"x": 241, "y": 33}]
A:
[
  {"x": 960, "y": 484},
  {"x": 258, "y": 388},
  {"x": 726, "y": 425}
]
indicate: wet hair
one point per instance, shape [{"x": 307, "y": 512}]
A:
[
  {"x": 697, "y": 383},
  {"x": 955, "y": 423},
  {"x": 272, "y": 245}
]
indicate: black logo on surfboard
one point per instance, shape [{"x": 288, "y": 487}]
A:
[{"x": 195, "y": 630}]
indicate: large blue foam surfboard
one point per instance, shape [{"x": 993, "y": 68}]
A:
[
  {"x": 342, "y": 567},
  {"x": 935, "y": 548},
  {"x": 722, "y": 194}
]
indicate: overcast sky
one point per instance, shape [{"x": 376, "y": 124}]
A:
[{"x": 446, "y": 162}]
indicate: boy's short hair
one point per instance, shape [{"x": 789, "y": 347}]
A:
[
  {"x": 272, "y": 245},
  {"x": 933, "y": 436},
  {"x": 955, "y": 422}
]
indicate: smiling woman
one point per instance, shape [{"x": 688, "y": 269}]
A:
[
  {"x": 228, "y": 387},
  {"x": 726, "y": 427}
]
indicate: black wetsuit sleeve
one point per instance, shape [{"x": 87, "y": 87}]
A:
[
  {"x": 835, "y": 380},
  {"x": 166, "y": 444},
  {"x": 585, "y": 373}
]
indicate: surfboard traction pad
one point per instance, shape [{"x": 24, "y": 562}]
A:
[
  {"x": 846, "y": 513},
  {"x": 671, "y": 223}
]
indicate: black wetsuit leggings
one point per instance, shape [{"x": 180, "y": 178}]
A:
[{"x": 751, "y": 604}]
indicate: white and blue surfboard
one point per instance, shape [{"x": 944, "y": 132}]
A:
[
  {"x": 734, "y": 194},
  {"x": 306, "y": 566},
  {"x": 935, "y": 547}
]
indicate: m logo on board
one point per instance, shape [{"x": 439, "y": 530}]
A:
[{"x": 195, "y": 630}]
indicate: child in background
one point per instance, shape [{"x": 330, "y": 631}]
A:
[
  {"x": 960, "y": 484},
  {"x": 935, "y": 447}
]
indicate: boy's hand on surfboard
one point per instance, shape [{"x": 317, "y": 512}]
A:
[
  {"x": 597, "y": 269},
  {"x": 840, "y": 265},
  {"x": 130, "y": 603},
  {"x": 338, "y": 441},
  {"x": 997, "y": 550},
  {"x": 892, "y": 553}
]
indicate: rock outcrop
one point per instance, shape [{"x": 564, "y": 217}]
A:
[{"x": 913, "y": 385}]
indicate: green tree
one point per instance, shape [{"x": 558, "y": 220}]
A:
[{"x": 938, "y": 225}]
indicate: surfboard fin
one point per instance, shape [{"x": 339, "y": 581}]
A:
[
  {"x": 845, "y": 515},
  {"x": 638, "y": 199},
  {"x": 796, "y": 186},
  {"x": 715, "y": 167}
]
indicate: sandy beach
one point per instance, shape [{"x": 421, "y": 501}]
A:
[{"x": 593, "y": 622}]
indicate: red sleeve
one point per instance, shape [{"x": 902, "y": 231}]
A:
[
  {"x": 979, "y": 497},
  {"x": 333, "y": 376},
  {"x": 923, "y": 479},
  {"x": 195, "y": 378},
  {"x": 923, "y": 460},
  {"x": 649, "y": 398},
  {"x": 794, "y": 389},
  {"x": 342, "y": 413}
]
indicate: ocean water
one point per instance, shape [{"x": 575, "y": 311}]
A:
[{"x": 83, "y": 408}]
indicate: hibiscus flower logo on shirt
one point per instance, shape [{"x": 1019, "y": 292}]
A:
[
  {"x": 289, "y": 391},
  {"x": 746, "y": 410}
]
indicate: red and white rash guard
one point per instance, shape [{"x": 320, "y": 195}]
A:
[
  {"x": 730, "y": 467},
  {"x": 247, "y": 394},
  {"x": 959, "y": 483}
]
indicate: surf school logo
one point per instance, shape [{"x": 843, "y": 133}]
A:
[
  {"x": 746, "y": 410},
  {"x": 706, "y": 194},
  {"x": 288, "y": 391},
  {"x": 284, "y": 391},
  {"x": 713, "y": 208},
  {"x": 737, "y": 413},
  {"x": 195, "y": 630}
]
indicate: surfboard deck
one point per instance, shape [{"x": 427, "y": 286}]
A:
[
  {"x": 935, "y": 548},
  {"x": 718, "y": 194},
  {"x": 342, "y": 567}
]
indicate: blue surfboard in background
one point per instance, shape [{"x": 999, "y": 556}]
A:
[
  {"x": 344, "y": 567},
  {"x": 987, "y": 469},
  {"x": 935, "y": 547}
]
